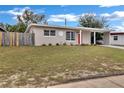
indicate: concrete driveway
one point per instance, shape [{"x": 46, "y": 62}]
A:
[
  {"x": 107, "y": 82},
  {"x": 111, "y": 46}
]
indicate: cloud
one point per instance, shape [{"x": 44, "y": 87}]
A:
[
  {"x": 108, "y": 6},
  {"x": 117, "y": 15},
  {"x": 119, "y": 27},
  {"x": 69, "y": 17},
  {"x": 19, "y": 11},
  {"x": 15, "y": 11},
  {"x": 61, "y": 17}
]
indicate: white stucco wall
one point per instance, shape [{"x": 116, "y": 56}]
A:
[
  {"x": 120, "y": 40},
  {"x": 41, "y": 39},
  {"x": 86, "y": 37},
  {"x": 106, "y": 38}
]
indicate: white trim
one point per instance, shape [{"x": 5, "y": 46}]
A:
[
  {"x": 69, "y": 28},
  {"x": 114, "y": 37},
  {"x": 94, "y": 37},
  {"x": 70, "y": 36},
  {"x": 49, "y": 34},
  {"x": 70, "y": 40},
  {"x": 80, "y": 37}
]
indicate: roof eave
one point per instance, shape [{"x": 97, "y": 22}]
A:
[{"x": 71, "y": 28}]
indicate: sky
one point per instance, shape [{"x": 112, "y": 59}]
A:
[{"x": 55, "y": 14}]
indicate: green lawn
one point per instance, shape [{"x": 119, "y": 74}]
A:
[{"x": 47, "y": 65}]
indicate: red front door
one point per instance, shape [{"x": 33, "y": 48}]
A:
[{"x": 78, "y": 38}]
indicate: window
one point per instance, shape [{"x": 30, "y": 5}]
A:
[
  {"x": 67, "y": 35},
  {"x": 49, "y": 32},
  {"x": 70, "y": 35},
  {"x": 46, "y": 32},
  {"x": 52, "y": 33},
  {"x": 115, "y": 37}
]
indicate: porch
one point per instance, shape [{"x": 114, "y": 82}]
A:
[{"x": 90, "y": 36}]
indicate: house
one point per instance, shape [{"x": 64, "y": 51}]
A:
[
  {"x": 2, "y": 29},
  {"x": 46, "y": 34},
  {"x": 117, "y": 38}
]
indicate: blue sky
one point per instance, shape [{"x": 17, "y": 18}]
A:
[{"x": 55, "y": 14}]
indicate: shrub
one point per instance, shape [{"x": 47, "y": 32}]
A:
[
  {"x": 71, "y": 44},
  {"x": 84, "y": 44},
  {"x": 64, "y": 44},
  {"x": 57, "y": 44},
  {"x": 50, "y": 44},
  {"x": 43, "y": 44}
]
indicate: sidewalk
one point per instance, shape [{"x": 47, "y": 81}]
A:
[{"x": 107, "y": 82}]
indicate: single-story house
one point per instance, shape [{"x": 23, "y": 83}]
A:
[
  {"x": 46, "y": 34},
  {"x": 2, "y": 29},
  {"x": 117, "y": 38}
]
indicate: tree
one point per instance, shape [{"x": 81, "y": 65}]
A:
[
  {"x": 90, "y": 20},
  {"x": 2, "y": 24},
  {"x": 29, "y": 17},
  {"x": 24, "y": 20},
  {"x": 21, "y": 27}
]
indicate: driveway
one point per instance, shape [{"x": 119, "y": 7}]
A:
[
  {"x": 111, "y": 46},
  {"x": 107, "y": 82}
]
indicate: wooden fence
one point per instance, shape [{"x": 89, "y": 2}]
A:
[{"x": 16, "y": 39}]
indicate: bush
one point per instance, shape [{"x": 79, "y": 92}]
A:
[
  {"x": 64, "y": 44},
  {"x": 84, "y": 44},
  {"x": 50, "y": 44},
  {"x": 43, "y": 44},
  {"x": 71, "y": 44},
  {"x": 57, "y": 44}
]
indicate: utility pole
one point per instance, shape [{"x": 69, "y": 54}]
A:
[{"x": 65, "y": 21}]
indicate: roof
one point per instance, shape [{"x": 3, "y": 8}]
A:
[
  {"x": 117, "y": 33},
  {"x": 67, "y": 28},
  {"x": 2, "y": 29}
]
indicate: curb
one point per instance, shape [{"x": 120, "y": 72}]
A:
[{"x": 90, "y": 77}]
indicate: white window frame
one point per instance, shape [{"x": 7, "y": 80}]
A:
[
  {"x": 49, "y": 33},
  {"x": 116, "y": 37},
  {"x": 70, "y": 32},
  {"x": 46, "y": 35}
]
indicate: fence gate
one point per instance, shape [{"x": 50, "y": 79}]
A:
[{"x": 16, "y": 39}]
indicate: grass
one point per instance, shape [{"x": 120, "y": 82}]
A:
[{"x": 48, "y": 65}]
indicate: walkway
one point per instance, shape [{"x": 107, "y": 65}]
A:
[
  {"x": 107, "y": 82},
  {"x": 111, "y": 46}
]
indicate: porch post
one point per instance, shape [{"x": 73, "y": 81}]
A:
[
  {"x": 94, "y": 37},
  {"x": 80, "y": 37}
]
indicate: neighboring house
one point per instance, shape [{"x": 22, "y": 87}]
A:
[
  {"x": 46, "y": 34},
  {"x": 117, "y": 38},
  {"x": 2, "y": 29}
]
